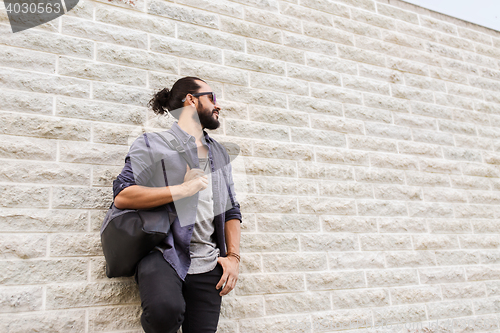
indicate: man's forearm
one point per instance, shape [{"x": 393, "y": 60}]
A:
[
  {"x": 233, "y": 233},
  {"x": 142, "y": 197}
]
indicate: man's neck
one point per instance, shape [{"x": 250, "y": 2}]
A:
[{"x": 191, "y": 127}]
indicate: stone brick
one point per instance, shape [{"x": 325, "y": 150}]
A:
[
  {"x": 27, "y": 60},
  {"x": 254, "y": 96},
  {"x": 345, "y": 190},
  {"x": 18, "y": 196},
  {"x": 454, "y": 101},
  {"x": 269, "y": 204},
  {"x": 335, "y": 280},
  {"x": 219, "y": 7},
  {"x": 48, "y": 173},
  {"x": 357, "y": 28},
  {"x": 287, "y": 223},
  {"x": 372, "y": 175},
  {"x": 105, "y": 319},
  {"x": 386, "y": 103},
  {"x": 70, "y": 245},
  {"x": 481, "y": 83},
  {"x": 437, "y": 166},
  {"x": 83, "y": 9},
  {"x": 81, "y": 197},
  {"x": 431, "y": 110},
  {"x": 76, "y": 152},
  {"x": 273, "y": 324},
  {"x": 448, "y": 75},
  {"x": 382, "y": 74},
  {"x": 438, "y": 25},
  {"x": 404, "y": 41},
  {"x": 265, "y": 167},
  {"x": 460, "y": 257},
  {"x": 430, "y": 242},
  {"x": 328, "y": 242},
  {"x": 365, "y": 85},
  {"x": 455, "y": 42},
  {"x": 254, "y": 284},
  {"x": 481, "y": 273},
  {"x": 459, "y": 66},
  {"x": 372, "y": 144},
  {"x": 33, "y": 103},
  {"x": 42, "y": 271},
  {"x": 101, "y": 111},
  {"x": 381, "y": 208},
  {"x": 247, "y": 29},
  {"x": 285, "y": 186},
  {"x": 138, "y": 6},
  {"x": 348, "y": 224},
  {"x": 88, "y": 29},
  {"x": 43, "y": 83},
  {"x": 294, "y": 262},
  {"x": 313, "y": 74},
  {"x": 479, "y": 241},
  {"x": 251, "y": 263},
  {"x": 72, "y": 321},
  {"x": 172, "y": 47},
  {"x": 483, "y": 61},
  {"x": 297, "y": 303},
  {"x": 127, "y": 19},
  {"x": 390, "y": 192},
  {"x": 121, "y": 94},
  {"x": 484, "y": 226},
  {"x": 270, "y": 5},
  {"x": 475, "y": 118},
  {"x": 330, "y": 63},
  {"x": 373, "y": 19},
  {"x": 255, "y": 130},
  {"x": 433, "y": 137},
  {"x": 42, "y": 220},
  {"x": 242, "y": 307},
  {"x": 359, "y": 55},
  {"x": 101, "y": 72},
  {"x": 245, "y": 61},
  {"x": 21, "y": 299},
  {"x": 315, "y": 105},
  {"x": 388, "y": 161},
  {"x": 384, "y": 242},
  {"x": 409, "y": 295},
  {"x": 463, "y": 290},
  {"x": 444, "y": 195},
  {"x": 104, "y": 175},
  {"x": 309, "y": 44},
  {"x": 91, "y": 294},
  {"x": 466, "y": 182},
  {"x": 274, "y": 51},
  {"x": 271, "y": 82},
  {"x": 461, "y": 154},
  {"x": 410, "y": 259},
  {"x": 22, "y": 247},
  {"x": 271, "y": 19},
  {"x": 347, "y": 260},
  {"x": 419, "y": 149},
  {"x": 282, "y": 151},
  {"x": 433, "y": 210},
  {"x": 328, "y": 6},
  {"x": 387, "y": 131},
  {"x": 443, "y": 51},
  {"x": 397, "y": 14},
  {"x": 391, "y": 277},
  {"x": 337, "y": 156},
  {"x": 303, "y": 13},
  {"x": 411, "y": 94},
  {"x": 487, "y": 50},
  {"x": 420, "y": 82},
  {"x": 327, "y": 33},
  {"x": 402, "y": 225},
  {"x": 481, "y": 170},
  {"x": 317, "y": 137},
  {"x": 403, "y": 65},
  {"x": 342, "y": 320},
  {"x": 48, "y": 42},
  {"x": 140, "y": 58},
  {"x": 327, "y": 206},
  {"x": 183, "y": 14}
]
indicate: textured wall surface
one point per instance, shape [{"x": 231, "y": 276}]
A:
[{"x": 368, "y": 174}]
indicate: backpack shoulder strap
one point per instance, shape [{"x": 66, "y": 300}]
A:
[{"x": 174, "y": 144}]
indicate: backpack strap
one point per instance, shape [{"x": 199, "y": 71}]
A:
[
  {"x": 146, "y": 140},
  {"x": 173, "y": 143}
]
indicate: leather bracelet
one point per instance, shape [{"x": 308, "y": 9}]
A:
[{"x": 232, "y": 254}]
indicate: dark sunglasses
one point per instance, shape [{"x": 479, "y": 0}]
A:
[{"x": 210, "y": 94}]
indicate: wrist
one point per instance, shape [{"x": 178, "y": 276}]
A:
[{"x": 234, "y": 255}]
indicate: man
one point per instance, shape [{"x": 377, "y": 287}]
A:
[{"x": 181, "y": 282}]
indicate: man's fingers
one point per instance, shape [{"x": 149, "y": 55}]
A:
[
  {"x": 228, "y": 287},
  {"x": 221, "y": 281}
]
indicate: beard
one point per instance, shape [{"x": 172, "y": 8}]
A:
[{"x": 207, "y": 120}]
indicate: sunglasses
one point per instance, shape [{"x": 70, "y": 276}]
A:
[{"x": 210, "y": 94}]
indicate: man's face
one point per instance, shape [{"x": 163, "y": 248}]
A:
[{"x": 208, "y": 112}]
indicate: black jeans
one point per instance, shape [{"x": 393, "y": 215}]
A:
[{"x": 168, "y": 302}]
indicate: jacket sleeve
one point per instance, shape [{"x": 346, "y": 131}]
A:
[
  {"x": 139, "y": 166},
  {"x": 233, "y": 207}
]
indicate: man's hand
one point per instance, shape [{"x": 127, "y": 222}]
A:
[
  {"x": 230, "y": 267},
  {"x": 194, "y": 181}
]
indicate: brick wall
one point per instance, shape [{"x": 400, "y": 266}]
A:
[{"x": 368, "y": 174}]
